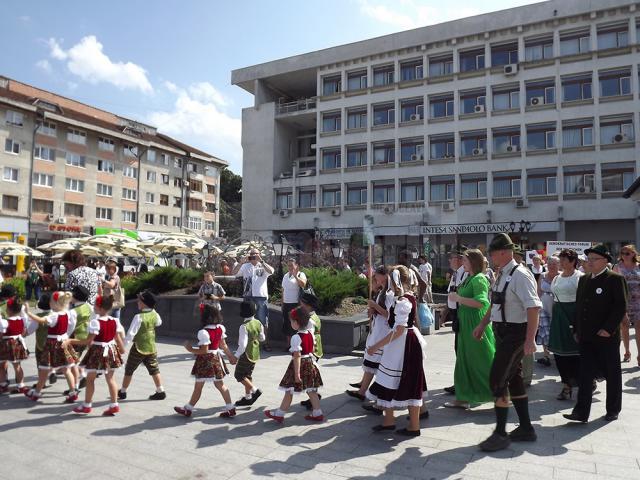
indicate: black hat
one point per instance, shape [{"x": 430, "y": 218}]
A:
[
  {"x": 8, "y": 291},
  {"x": 601, "y": 250},
  {"x": 309, "y": 299},
  {"x": 80, "y": 293},
  {"x": 458, "y": 250},
  {"x": 44, "y": 301},
  {"x": 247, "y": 309},
  {"x": 501, "y": 241},
  {"x": 148, "y": 298}
]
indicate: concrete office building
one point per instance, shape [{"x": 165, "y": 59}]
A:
[
  {"x": 70, "y": 168},
  {"x": 522, "y": 120}
]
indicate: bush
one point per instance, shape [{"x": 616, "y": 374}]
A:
[
  {"x": 332, "y": 287},
  {"x": 440, "y": 284},
  {"x": 18, "y": 283},
  {"x": 160, "y": 280}
]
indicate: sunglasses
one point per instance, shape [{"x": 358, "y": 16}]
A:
[{"x": 627, "y": 254}]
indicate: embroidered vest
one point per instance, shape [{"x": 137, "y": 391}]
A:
[
  {"x": 317, "y": 351},
  {"x": 83, "y": 315},
  {"x": 145, "y": 339},
  {"x": 253, "y": 328},
  {"x": 306, "y": 343},
  {"x": 61, "y": 326},
  {"x": 215, "y": 335},
  {"x": 15, "y": 326},
  {"x": 108, "y": 330}
]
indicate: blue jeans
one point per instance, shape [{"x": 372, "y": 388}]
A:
[
  {"x": 35, "y": 289},
  {"x": 115, "y": 313},
  {"x": 262, "y": 311}
]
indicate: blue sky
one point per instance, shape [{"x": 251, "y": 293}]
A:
[{"x": 169, "y": 62}]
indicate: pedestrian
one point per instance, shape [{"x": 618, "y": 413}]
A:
[
  {"x": 77, "y": 273},
  {"x": 33, "y": 281},
  {"x": 601, "y": 305},
  {"x": 514, "y": 316},
  {"x": 537, "y": 268},
  {"x": 211, "y": 292},
  {"x": 111, "y": 286},
  {"x": 546, "y": 297},
  {"x": 101, "y": 270},
  {"x": 302, "y": 375},
  {"x": 104, "y": 355},
  {"x": 561, "y": 340},
  {"x": 629, "y": 268},
  {"x": 458, "y": 275},
  {"x": 426, "y": 272},
  {"x": 7, "y": 291},
  {"x": 13, "y": 348},
  {"x": 142, "y": 338},
  {"x": 250, "y": 334},
  {"x": 209, "y": 365},
  {"x": 293, "y": 282},
  {"x": 224, "y": 267}
]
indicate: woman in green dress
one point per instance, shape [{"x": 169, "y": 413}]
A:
[{"x": 474, "y": 358}]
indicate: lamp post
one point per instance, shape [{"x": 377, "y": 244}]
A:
[
  {"x": 523, "y": 228},
  {"x": 337, "y": 252},
  {"x": 280, "y": 250}
]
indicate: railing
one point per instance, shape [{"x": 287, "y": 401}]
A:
[{"x": 297, "y": 106}]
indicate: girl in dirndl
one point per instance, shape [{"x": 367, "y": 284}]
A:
[
  {"x": 209, "y": 365},
  {"x": 400, "y": 381},
  {"x": 302, "y": 374},
  {"x": 103, "y": 356},
  {"x": 60, "y": 324},
  {"x": 12, "y": 345}
]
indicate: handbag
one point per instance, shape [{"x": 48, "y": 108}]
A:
[
  {"x": 308, "y": 289},
  {"x": 118, "y": 297}
]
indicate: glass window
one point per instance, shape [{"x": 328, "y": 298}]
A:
[
  {"x": 504, "y": 56},
  {"x": 441, "y": 108},
  {"x": 356, "y": 157},
  {"x": 506, "y": 187},
  {"x": 131, "y": 172},
  {"x": 438, "y": 68},
  {"x": 104, "y": 213},
  {"x": 538, "y": 51},
  {"x": 384, "y": 115},
  {"x": 73, "y": 210},
  {"x": 473, "y": 189},
  {"x": 75, "y": 160},
  {"x": 411, "y": 71},
  {"x": 506, "y": 100},
  {"x": 129, "y": 194},
  {"x": 411, "y": 192},
  {"x": 611, "y": 86},
  {"x": 473, "y": 146},
  {"x": 357, "y": 80},
  {"x": 577, "y": 90},
  {"x": 617, "y": 180},
  {"x": 330, "y": 198},
  {"x": 151, "y": 177},
  {"x": 612, "y": 39},
  {"x": 442, "y": 149},
  {"x": 357, "y": 119},
  {"x": 74, "y": 185},
  {"x": 45, "y": 153},
  {"x": 356, "y": 195},
  {"x": 42, "y": 206},
  {"x": 616, "y": 133},
  {"x": 42, "y": 180},
  {"x": 14, "y": 118},
  {"x": 47, "y": 128},
  {"x": 471, "y": 61},
  {"x": 542, "y": 185},
  {"x": 331, "y": 85},
  {"x": 11, "y": 146},
  {"x": 331, "y": 159},
  {"x": 106, "y": 144},
  {"x": 331, "y": 122},
  {"x": 284, "y": 200},
  {"x": 383, "y": 76},
  {"x": 9, "y": 202},
  {"x": 306, "y": 199},
  {"x": 574, "y": 45},
  {"x": 579, "y": 183},
  {"x": 105, "y": 166},
  {"x": 384, "y": 194},
  {"x": 410, "y": 152},
  {"x": 384, "y": 154},
  {"x": 104, "y": 190},
  {"x": 442, "y": 191},
  {"x": 76, "y": 136}
]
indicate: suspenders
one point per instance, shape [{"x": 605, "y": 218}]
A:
[{"x": 498, "y": 298}]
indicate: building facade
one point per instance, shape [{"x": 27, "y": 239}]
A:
[
  {"x": 523, "y": 120},
  {"x": 69, "y": 168}
]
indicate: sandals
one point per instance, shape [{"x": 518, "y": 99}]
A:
[
  {"x": 382, "y": 428},
  {"x": 565, "y": 394}
]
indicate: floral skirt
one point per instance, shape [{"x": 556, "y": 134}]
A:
[
  {"x": 54, "y": 356},
  {"x": 209, "y": 367},
  {"x": 309, "y": 374},
  {"x": 12, "y": 350},
  {"x": 96, "y": 361}
]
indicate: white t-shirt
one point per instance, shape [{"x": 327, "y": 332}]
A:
[
  {"x": 290, "y": 287},
  {"x": 255, "y": 280},
  {"x": 425, "y": 272}
]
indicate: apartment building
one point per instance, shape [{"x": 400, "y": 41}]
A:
[
  {"x": 523, "y": 120},
  {"x": 70, "y": 168}
]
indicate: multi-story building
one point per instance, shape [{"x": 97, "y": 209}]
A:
[
  {"x": 70, "y": 168},
  {"x": 522, "y": 120}
]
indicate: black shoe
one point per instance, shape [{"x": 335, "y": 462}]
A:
[
  {"x": 83, "y": 382},
  {"x": 158, "y": 396},
  {"x": 266, "y": 347},
  {"x": 53, "y": 378},
  {"x": 372, "y": 409},
  {"x": 408, "y": 433},
  {"x": 574, "y": 417},
  {"x": 255, "y": 396},
  {"x": 355, "y": 394},
  {"x": 544, "y": 361},
  {"x": 122, "y": 395},
  {"x": 356, "y": 385},
  {"x": 66, "y": 392},
  {"x": 495, "y": 442},
  {"x": 450, "y": 390},
  {"x": 521, "y": 434},
  {"x": 382, "y": 428},
  {"x": 610, "y": 417},
  {"x": 243, "y": 402},
  {"x": 423, "y": 415}
]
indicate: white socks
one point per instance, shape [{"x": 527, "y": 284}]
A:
[
  {"x": 112, "y": 405},
  {"x": 278, "y": 413},
  {"x": 316, "y": 413},
  {"x": 85, "y": 404},
  {"x": 189, "y": 407},
  {"x": 229, "y": 406},
  {"x": 160, "y": 389},
  {"x": 123, "y": 390}
]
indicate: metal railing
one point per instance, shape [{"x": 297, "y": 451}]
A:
[{"x": 297, "y": 105}]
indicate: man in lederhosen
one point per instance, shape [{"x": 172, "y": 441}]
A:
[
  {"x": 601, "y": 304},
  {"x": 457, "y": 277},
  {"x": 514, "y": 316}
]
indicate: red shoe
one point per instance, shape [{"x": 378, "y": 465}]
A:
[
  {"x": 71, "y": 398},
  {"x": 111, "y": 411},
  {"x": 22, "y": 390},
  {"x": 228, "y": 413},
  {"x": 32, "y": 395},
  {"x": 81, "y": 409},
  {"x": 318, "y": 418},
  {"x": 270, "y": 415},
  {"x": 183, "y": 411}
]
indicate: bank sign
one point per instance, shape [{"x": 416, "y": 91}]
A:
[{"x": 487, "y": 228}]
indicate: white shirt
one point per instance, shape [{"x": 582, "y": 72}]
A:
[
  {"x": 456, "y": 279},
  {"x": 102, "y": 272},
  {"x": 243, "y": 339},
  {"x": 257, "y": 276},
  {"x": 290, "y": 287},
  {"x": 94, "y": 324},
  {"x": 134, "y": 328},
  {"x": 425, "y": 272},
  {"x": 52, "y": 321},
  {"x": 522, "y": 294},
  {"x": 203, "y": 335},
  {"x": 565, "y": 288}
]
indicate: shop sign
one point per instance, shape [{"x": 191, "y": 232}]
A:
[
  {"x": 484, "y": 228},
  {"x": 557, "y": 246},
  {"x": 54, "y": 227},
  {"x": 338, "y": 233}
]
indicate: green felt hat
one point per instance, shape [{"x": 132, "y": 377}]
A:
[
  {"x": 501, "y": 241},
  {"x": 601, "y": 250}
]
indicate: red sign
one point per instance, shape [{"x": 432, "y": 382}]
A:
[{"x": 53, "y": 227}]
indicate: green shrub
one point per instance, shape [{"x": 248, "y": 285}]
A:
[
  {"x": 440, "y": 284},
  {"x": 18, "y": 283},
  {"x": 332, "y": 287},
  {"x": 160, "y": 280}
]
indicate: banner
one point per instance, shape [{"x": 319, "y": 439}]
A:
[
  {"x": 368, "y": 235},
  {"x": 490, "y": 228},
  {"x": 556, "y": 246}
]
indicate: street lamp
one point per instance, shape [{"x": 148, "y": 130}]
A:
[
  {"x": 337, "y": 252},
  {"x": 523, "y": 228},
  {"x": 280, "y": 250}
]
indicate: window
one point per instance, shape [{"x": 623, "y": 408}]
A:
[
  {"x": 412, "y": 190},
  {"x": 411, "y": 70},
  {"x": 541, "y": 137},
  {"x": 177, "y": 182},
  {"x": 542, "y": 182},
  {"x": 165, "y": 179},
  {"x": 306, "y": 199},
  {"x": 129, "y": 194},
  {"x": 104, "y": 213},
  {"x": 176, "y": 222},
  {"x": 151, "y": 177},
  {"x": 574, "y": 43},
  {"x": 442, "y": 189},
  {"x": 10, "y": 174},
  {"x": 615, "y": 82},
  {"x": 194, "y": 223},
  {"x": 284, "y": 200},
  {"x": 357, "y": 80},
  {"x": 473, "y": 186},
  {"x": 76, "y": 136},
  {"x": 192, "y": 167},
  {"x": 148, "y": 218},
  {"x": 74, "y": 185},
  {"x": 384, "y": 153},
  {"x": 164, "y": 159},
  {"x": 149, "y": 197},
  {"x": 14, "y": 118},
  {"x": 331, "y": 196},
  {"x": 75, "y": 160},
  {"x": 177, "y": 202},
  {"x": 11, "y": 146},
  {"x": 356, "y": 155},
  {"x": 42, "y": 206},
  {"x": 473, "y": 143},
  {"x": 471, "y": 100},
  {"x": 617, "y": 177},
  {"x": 177, "y": 163},
  {"x": 357, "y": 118},
  {"x": 506, "y": 99},
  {"x": 331, "y": 158},
  {"x": 538, "y": 49},
  {"x": 411, "y": 150},
  {"x": 195, "y": 186},
  {"x": 383, "y": 75},
  {"x": 211, "y": 189},
  {"x": 331, "y": 122},
  {"x": 9, "y": 202},
  {"x": 209, "y": 225},
  {"x": 541, "y": 93},
  {"x": 130, "y": 150},
  {"x": 42, "y": 180},
  {"x": 506, "y": 184},
  {"x": 128, "y": 216},
  {"x": 411, "y": 110},
  {"x": 384, "y": 114},
  {"x": 504, "y": 54},
  {"x": 331, "y": 85},
  {"x": 164, "y": 200},
  {"x": 506, "y": 140},
  {"x": 613, "y": 37},
  {"x": 73, "y": 210},
  {"x": 106, "y": 144},
  {"x": 163, "y": 220},
  {"x": 45, "y": 153},
  {"x": 441, "y": 107},
  {"x": 105, "y": 166},
  {"x": 209, "y": 207},
  {"x": 442, "y": 147},
  {"x": 129, "y": 171},
  {"x": 616, "y": 131},
  {"x": 47, "y": 128},
  {"x": 577, "y": 134},
  {"x": 151, "y": 156},
  {"x": 356, "y": 194},
  {"x": 579, "y": 179},
  {"x": 576, "y": 88},
  {"x": 384, "y": 193},
  {"x": 441, "y": 66},
  {"x": 473, "y": 60}
]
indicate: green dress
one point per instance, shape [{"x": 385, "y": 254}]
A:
[{"x": 474, "y": 358}]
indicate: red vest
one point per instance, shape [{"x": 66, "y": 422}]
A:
[
  {"x": 61, "y": 327},
  {"x": 307, "y": 342},
  {"x": 15, "y": 327},
  {"x": 108, "y": 330},
  {"x": 215, "y": 335}
]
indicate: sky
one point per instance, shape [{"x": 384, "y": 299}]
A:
[{"x": 168, "y": 63}]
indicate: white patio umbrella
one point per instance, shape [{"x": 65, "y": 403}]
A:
[
  {"x": 63, "y": 245},
  {"x": 17, "y": 249}
]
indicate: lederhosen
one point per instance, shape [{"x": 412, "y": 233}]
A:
[{"x": 506, "y": 369}]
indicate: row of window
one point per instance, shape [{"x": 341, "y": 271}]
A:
[
  {"x": 537, "y": 48},
  {"x": 615, "y": 177}
]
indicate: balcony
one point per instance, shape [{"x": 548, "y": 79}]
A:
[{"x": 302, "y": 105}]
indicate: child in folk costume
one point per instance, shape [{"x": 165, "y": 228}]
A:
[
  {"x": 309, "y": 304},
  {"x": 209, "y": 365},
  {"x": 302, "y": 375},
  {"x": 6, "y": 292},
  {"x": 84, "y": 312},
  {"x": 142, "y": 333},
  {"x": 13, "y": 348},
  {"x": 250, "y": 334},
  {"x": 60, "y": 324},
  {"x": 103, "y": 355},
  {"x": 41, "y": 330},
  {"x": 400, "y": 381}
]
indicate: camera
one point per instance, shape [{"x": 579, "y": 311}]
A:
[
  {"x": 497, "y": 298},
  {"x": 253, "y": 257}
]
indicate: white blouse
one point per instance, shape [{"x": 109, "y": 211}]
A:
[{"x": 564, "y": 288}]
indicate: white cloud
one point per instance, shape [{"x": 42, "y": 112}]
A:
[
  {"x": 44, "y": 65},
  {"x": 197, "y": 119},
  {"x": 87, "y": 61}
]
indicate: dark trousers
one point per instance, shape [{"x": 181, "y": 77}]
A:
[
  {"x": 601, "y": 355},
  {"x": 506, "y": 369}
]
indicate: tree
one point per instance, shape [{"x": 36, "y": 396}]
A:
[{"x": 230, "y": 204}]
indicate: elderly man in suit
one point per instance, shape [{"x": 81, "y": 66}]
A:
[{"x": 601, "y": 303}]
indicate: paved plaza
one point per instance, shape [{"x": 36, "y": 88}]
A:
[{"x": 147, "y": 440}]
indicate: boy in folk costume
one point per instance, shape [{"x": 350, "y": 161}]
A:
[
  {"x": 250, "y": 334},
  {"x": 84, "y": 312},
  {"x": 142, "y": 332}
]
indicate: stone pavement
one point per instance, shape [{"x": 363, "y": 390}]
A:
[{"x": 148, "y": 441}]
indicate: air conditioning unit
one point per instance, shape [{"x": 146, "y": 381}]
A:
[
  {"x": 620, "y": 138},
  {"x": 522, "y": 203},
  {"x": 415, "y": 158},
  {"x": 388, "y": 210},
  {"x": 583, "y": 189},
  {"x": 51, "y": 217},
  {"x": 62, "y": 220},
  {"x": 513, "y": 148},
  {"x": 284, "y": 213},
  {"x": 477, "y": 151},
  {"x": 510, "y": 69},
  {"x": 414, "y": 116},
  {"x": 478, "y": 109},
  {"x": 306, "y": 173},
  {"x": 536, "y": 101},
  {"x": 448, "y": 207},
  {"x": 185, "y": 183},
  {"x": 336, "y": 212}
]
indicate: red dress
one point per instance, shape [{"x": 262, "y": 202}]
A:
[
  {"x": 210, "y": 367},
  {"x": 12, "y": 344},
  {"x": 302, "y": 342},
  {"x": 103, "y": 355},
  {"x": 61, "y": 325}
]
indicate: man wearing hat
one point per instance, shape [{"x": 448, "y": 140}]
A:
[
  {"x": 514, "y": 315},
  {"x": 458, "y": 276},
  {"x": 601, "y": 303}
]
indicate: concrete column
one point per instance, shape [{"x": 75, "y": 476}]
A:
[
  {"x": 561, "y": 224},
  {"x": 593, "y": 37},
  {"x": 633, "y": 37},
  {"x": 521, "y": 57},
  {"x": 556, "y": 43},
  {"x": 456, "y": 60}
]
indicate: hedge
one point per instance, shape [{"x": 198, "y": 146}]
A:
[
  {"x": 332, "y": 287},
  {"x": 160, "y": 280},
  {"x": 18, "y": 283}
]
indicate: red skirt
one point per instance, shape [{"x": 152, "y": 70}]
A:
[
  {"x": 95, "y": 360},
  {"x": 209, "y": 367},
  {"x": 54, "y": 356},
  {"x": 12, "y": 350},
  {"x": 309, "y": 374}
]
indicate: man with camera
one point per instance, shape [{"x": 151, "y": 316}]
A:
[
  {"x": 457, "y": 277},
  {"x": 514, "y": 315},
  {"x": 254, "y": 273}
]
